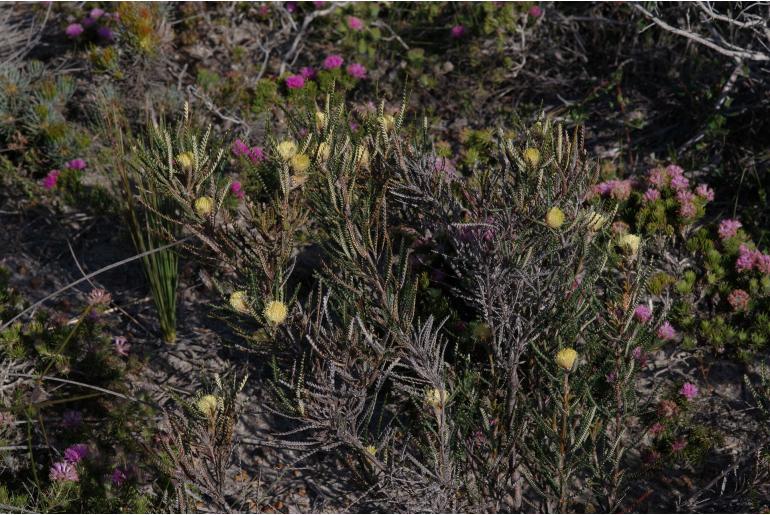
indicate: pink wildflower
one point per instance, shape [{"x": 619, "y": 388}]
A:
[
  {"x": 457, "y": 31},
  {"x": 237, "y": 190},
  {"x": 75, "y": 453},
  {"x": 76, "y": 164},
  {"x": 355, "y": 23},
  {"x": 96, "y": 13},
  {"x": 256, "y": 154},
  {"x": 674, "y": 171},
  {"x": 738, "y": 300},
  {"x": 656, "y": 428},
  {"x": 729, "y": 228},
  {"x": 356, "y": 70},
  {"x": 666, "y": 331},
  {"x": 74, "y": 30},
  {"x": 63, "y": 471},
  {"x": 122, "y": 347},
  {"x": 240, "y": 148},
  {"x": 99, "y": 297},
  {"x": 536, "y": 11},
  {"x": 679, "y": 182},
  {"x": 705, "y": 192},
  {"x": 762, "y": 262},
  {"x": 617, "y": 189},
  {"x": 49, "y": 182},
  {"x": 689, "y": 391},
  {"x": 678, "y": 445},
  {"x": 295, "y": 81},
  {"x": 87, "y": 22},
  {"x": 746, "y": 259},
  {"x": 657, "y": 177},
  {"x": 651, "y": 195},
  {"x": 332, "y": 62},
  {"x": 307, "y": 72},
  {"x": 291, "y": 7},
  {"x": 642, "y": 313}
]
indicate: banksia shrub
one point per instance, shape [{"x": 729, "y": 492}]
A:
[{"x": 465, "y": 343}]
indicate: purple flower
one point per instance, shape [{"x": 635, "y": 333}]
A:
[
  {"x": 657, "y": 177},
  {"x": 729, "y": 228},
  {"x": 237, "y": 190},
  {"x": 71, "y": 419},
  {"x": 240, "y": 148},
  {"x": 651, "y": 195},
  {"x": 105, "y": 33},
  {"x": 256, "y": 154},
  {"x": 87, "y": 21},
  {"x": 457, "y": 31},
  {"x": 96, "y": 13},
  {"x": 639, "y": 355},
  {"x": 689, "y": 391},
  {"x": 333, "y": 62},
  {"x": 295, "y": 81},
  {"x": 535, "y": 11},
  {"x": 356, "y": 70},
  {"x": 307, "y": 72},
  {"x": 49, "y": 182},
  {"x": 666, "y": 331},
  {"x": 738, "y": 299},
  {"x": 679, "y": 182},
  {"x": 291, "y": 6},
  {"x": 355, "y": 23},
  {"x": 705, "y": 192},
  {"x": 762, "y": 262},
  {"x": 119, "y": 476},
  {"x": 75, "y": 453},
  {"x": 642, "y": 313},
  {"x": 74, "y": 30},
  {"x": 746, "y": 259},
  {"x": 76, "y": 164},
  {"x": 122, "y": 347},
  {"x": 63, "y": 471},
  {"x": 617, "y": 189}
]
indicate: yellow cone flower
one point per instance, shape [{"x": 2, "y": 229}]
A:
[
  {"x": 320, "y": 120},
  {"x": 596, "y": 221},
  {"x": 566, "y": 358},
  {"x": 276, "y": 312},
  {"x": 435, "y": 397},
  {"x": 554, "y": 218},
  {"x": 204, "y": 206},
  {"x": 371, "y": 449},
  {"x": 239, "y": 301},
  {"x": 208, "y": 405},
  {"x": 287, "y": 150},
  {"x": 532, "y": 156},
  {"x": 324, "y": 151},
  {"x": 630, "y": 244},
  {"x": 185, "y": 160},
  {"x": 300, "y": 163},
  {"x": 388, "y": 121}
]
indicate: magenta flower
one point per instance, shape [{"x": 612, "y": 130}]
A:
[
  {"x": 295, "y": 81},
  {"x": 617, "y": 189},
  {"x": 678, "y": 445},
  {"x": 319, "y": 3},
  {"x": 674, "y": 171},
  {"x": 355, "y": 23},
  {"x": 679, "y": 182},
  {"x": 333, "y": 62},
  {"x": 291, "y": 7},
  {"x": 240, "y": 148},
  {"x": 122, "y": 347},
  {"x": 71, "y": 419},
  {"x": 536, "y": 11},
  {"x": 307, "y": 72},
  {"x": 237, "y": 190},
  {"x": 667, "y": 332},
  {"x": 687, "y": 210},
  {"x": 356, "y": 70},
  {"x": 651, "y": 195},
  {"x": 642, "y": 313},
  {"x": 729, "y": 228},
  {"x": 738, "y": 300},
  {"x": 256, "y": 154},
  {"x": 74, "y": 30},
  {"x": 119, "y": 476},
  {"x": 457, "y": 31},
  {"x": 746, "y": 259},
  {"x": 762, "y": 262},
  {"x": 49, "y": 181},
  {"x": 656, "y": 428},
  {"x": 657, "y": 177},
  {"x": 87, "y": 21},
  {"x": 689, "y": 391},
  {"x": 704, "y": 192},
  {"x": 96, "y": 13},
  {"x": 63, "y": 471},
  {"x": 76, "y": 164},
  {"x": 75, "y": 453}
]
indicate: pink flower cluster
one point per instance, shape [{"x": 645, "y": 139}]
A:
[
  {"x": 75, "y": 453},
  {"x": 642, "y": 313},
  {"x": 236, "y": 188},
  {"x": 729, "y": 228},
  {"x": 49, "y": 182},
  {"x": 667, "y": 332},
  {"x": 689, "y": 391},
  {"x": 256, "y": 154},
  {"x": 615, "y": 188},
  {"x": 295, "y": 81},
  {"x": 738, "y": 299},
  {"x": 752, "y": 260},
  {"x": 63, "y": 471},
  {"x": 75, "y": 30},
  {"x": 122, "y": 347},
  {"x": 356, "y": 24},
  {"x": 686, "y": 199},
  {"x": 331, "y": 62}
]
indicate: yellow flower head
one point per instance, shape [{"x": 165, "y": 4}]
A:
[
  {"x": 320, "y": 120},
  {"x": 324, "y": 151},
  {"x": 204, "y": 206},
  {"x": 239, "y": 301},
  {"x": 436, "y": 398},
  {"x": 566, "y": 358},
  {"x": 287, "y": 149},
  {"x": 388, "y": 121},
  {"x": 300, "y": 163},
  {"x": 532, "y": 156},
  {"x": 630, "y": 244},
  {"x": 208, "y": 405},
  {"x": 185, "y": 160},
  {"x": 276, "y": 312},
  {"x": 596, "y": 221},
  {"x": 554, "y": 218},
  {"x": 371, "y": 449}
]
